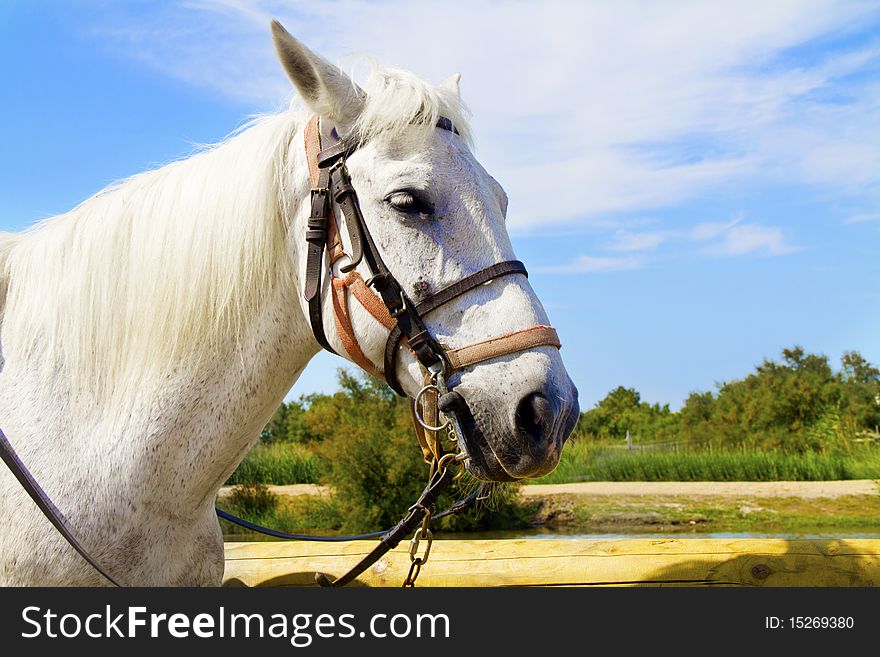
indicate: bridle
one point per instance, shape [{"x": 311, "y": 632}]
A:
[
  {"x": 436, "y": 405},
  {"x": 383, "y": 297}
]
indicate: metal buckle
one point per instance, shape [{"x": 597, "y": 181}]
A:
[
  {"x": 339, "y": 165},
  {"x": 397, "y": 313}
]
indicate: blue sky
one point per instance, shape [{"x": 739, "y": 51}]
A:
[{"x": 693, "y": 186}]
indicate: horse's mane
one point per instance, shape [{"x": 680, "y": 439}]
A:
[
  {"x": 6, "y": 242},
  {"x": 156, "y": 270},
  {"x": 399, "y": 101},
  {"x": 135, "y": 277}
]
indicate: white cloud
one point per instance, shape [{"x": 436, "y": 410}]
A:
[
  {"x": 709, "y": 230},
  {"x": 627, "y": 241},
  {"x": 593, "y": 264},
  {"x": 622, "y": 107},
  {"x": 736, "y": 239},
  {"x": 862, "y": 218}
]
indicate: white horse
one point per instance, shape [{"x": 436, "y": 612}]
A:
[{"x": 147, "y": 335}]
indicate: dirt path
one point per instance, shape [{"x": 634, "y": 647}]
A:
[
  {"x": 292, "y": 489},
  {"x": 805, "y": 489},
  {"x": 710, "y": 488}
]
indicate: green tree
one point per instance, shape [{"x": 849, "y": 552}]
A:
[
  {"x": 296, "y": 425},
  {"x": 695, "y": 416},
  {"x": 798, "y": 404},
  {"x": 275, "y": 430},
  {"x": 623, "y": 410},
  {"x": 860, "y": 393},
  {"x": 856, "y": 369}
]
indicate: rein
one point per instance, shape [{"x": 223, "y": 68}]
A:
[{"x": 38, "y": 495}]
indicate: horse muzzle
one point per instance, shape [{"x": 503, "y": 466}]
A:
[{"x": 525, "y": 442}]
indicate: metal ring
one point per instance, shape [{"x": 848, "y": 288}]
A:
[{"x": 418, "y": 411}]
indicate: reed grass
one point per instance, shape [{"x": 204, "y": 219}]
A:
[
  {"x": 302, "y": 514},
  {"x": 278, "y": 464},
  {"x": 589, "y": 461},
  {"x": 586, "y": 460}
]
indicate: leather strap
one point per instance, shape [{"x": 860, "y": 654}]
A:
[
  {"x": 425, "y": 410},
  {"x": 509, "y": 343},
  {"x": 312, "y": 138},
  {"x": 425, "y": 443},
  {"x": 345, "y": 331},
  {"x": 468, "y": 283},
  {"x": 440, "y": 298},
  {"x": 312, "y": 141},
  {"x": 38, "y": 495},
  {"x": 316, "y": 237},
  {"x": 371, "y": 303},
  {"x": 318, "y": 233},
  {"x": 345, "y": 197}
]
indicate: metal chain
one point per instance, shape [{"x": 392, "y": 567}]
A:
[
  {"x": 416, "y": 562},
  {"x": 437, "y": 382}
]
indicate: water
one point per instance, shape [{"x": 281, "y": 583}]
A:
[
  {"x": 685, "y": 536},
  {"x": 541, "y": 535}
]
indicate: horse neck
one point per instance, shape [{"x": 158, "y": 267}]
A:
[
  {"x": 221, "y": 410},
  {"x": 218, "y": 412}
]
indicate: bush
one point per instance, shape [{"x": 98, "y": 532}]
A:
[
  {"x": 251, "y": 501},
  {"x": 376, "y": 468}
]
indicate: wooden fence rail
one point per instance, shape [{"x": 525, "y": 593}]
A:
[{"x": 571, "y": 562}]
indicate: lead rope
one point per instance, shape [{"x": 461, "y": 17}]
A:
[{"x": 42, "y": 500}]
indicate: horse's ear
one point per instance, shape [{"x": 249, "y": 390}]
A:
[
  {"x": 327, "y": 91},
  {"x": 451, "y": 84}
]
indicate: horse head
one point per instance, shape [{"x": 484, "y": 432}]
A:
[{"x": 435, "y": 216}]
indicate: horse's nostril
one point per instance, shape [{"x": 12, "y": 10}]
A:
[
  {"x": 451, "y": 402},
  {"x": 534, "y": 416}
]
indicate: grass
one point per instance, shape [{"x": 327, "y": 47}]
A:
[
  {"x": 278, "y": 464},
  {"x": 300, "y": 514},
  {"x": 777, "y": 515},
  {"x": 589, "y": 461},
  {"x": 585, "y": 460}
]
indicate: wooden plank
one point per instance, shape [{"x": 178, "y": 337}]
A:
[
  {"x": 571, "y": 562},
  {"x": 803, "y": 489}
]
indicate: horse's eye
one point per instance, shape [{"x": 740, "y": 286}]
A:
[{"x": 410, "y": 202}]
